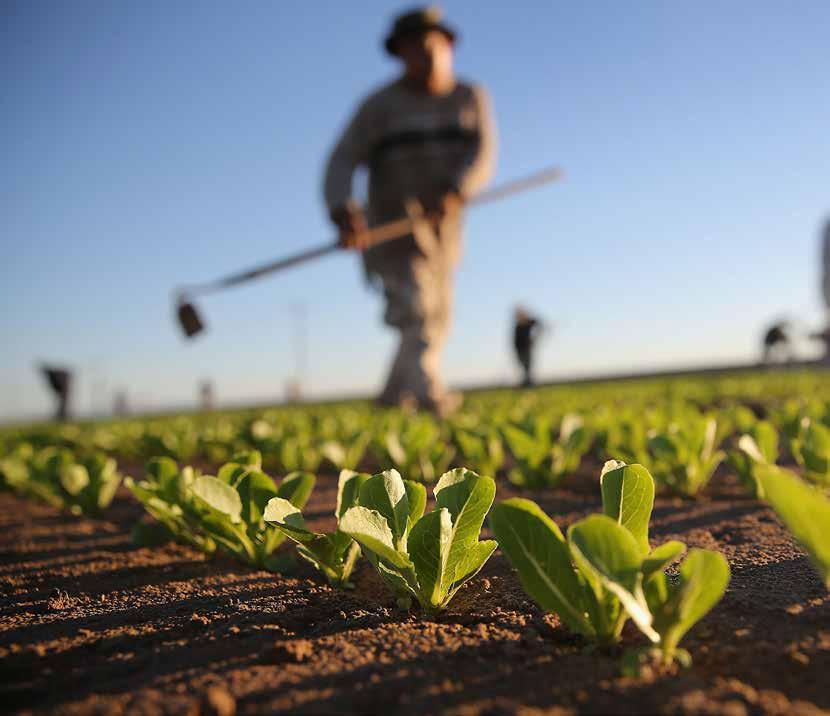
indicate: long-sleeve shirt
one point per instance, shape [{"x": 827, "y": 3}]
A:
[{"x": 414, "y": 145}]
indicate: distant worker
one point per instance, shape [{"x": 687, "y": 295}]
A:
[
  {"x": 120, "y": 405},
  {"x": 206, "y": 398},
  {"x": 824, "y": 334},
  {"x": 776, "y": 344},
  {"x": 427, "y": 140},
  {"x": 60, "y": 383},
  {"x": 525, "y": 332}
]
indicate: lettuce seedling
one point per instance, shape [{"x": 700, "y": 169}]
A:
[
  {"x": 334, "y": 554},
  {"x": 346, "y": 454},
  {"x": 811, "y": 450},
  {"x": 541, "y": 460},
  {"x": 592, "y": 579},
  {"x": 417, "y": 448},
  {"x": 676, "y": 606},
  {"x": 626, "y": 438},
  {"x": 428, "y": 557},
  {"x": 226, "y": 510},
  {"x": 605, "y": 572},
  {"x": 805, "y": 511},
  {"x": 758, "y": 446},
  {"x": 90, "y": 484},
  {"x": 14, "y": 467},
  {"x": 684, "y": 457},
  {"x": 38, "y": 475},
  {"x": 84, "y": 485},
  {"x": 482, "y": 448},
  {"x": 164, "y": 493}
]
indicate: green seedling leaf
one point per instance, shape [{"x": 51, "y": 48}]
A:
[
  {"x": 231, "y": 473},
  {"x": 219, "y": 496},
  {"x": 161, "y": 470},
  {"x": 703, "y": 578},
  {"x": 255, "y": 490},
  {"x": 348, "y": 490},
  {"x": 766, "y": 438},
  {"x": 468, "y": 498},
  {"x": 371, "y": 530},
  {"x": 107, "y": 481},
  {"x": 386, "y": 494},
  {"x": 297, "y": 488},
  {"x": 429, "y": 546},
  {"x": 334, "y": 555},
  {"x": 628, "y": 498},
  {"x": 747, "y": 444},
  {"x": 416, "y": 495},
  {"x": 476, "y": 558},
  {"x": 232, "y": 537},
  {"x": 282, "y": 514},
  {"x": 609, "y": 558},
  {"x": 661, "y": 557},
  {"x": 523, "y": 445},
  {"x": 812, "y": 451},
  {"x": 804, "y": 510},
  {"x": 74, "y": 478},
  {"x": 536, "y": 548},
  {"x": 248, "y": 458},
  {"x": 571, "y": 423}
]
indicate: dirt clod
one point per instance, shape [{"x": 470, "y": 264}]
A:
[
  {"x": 295, "y": 650},
  {"x": 218, "y": 701},
  {"x": 59, "y": 600}
]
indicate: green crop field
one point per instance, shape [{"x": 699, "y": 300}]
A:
[{"x": 416, "y": 508}]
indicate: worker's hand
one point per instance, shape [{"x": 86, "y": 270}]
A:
[
  {"x": 351, "y": 223},
  {"x": 451, "y": 203}
]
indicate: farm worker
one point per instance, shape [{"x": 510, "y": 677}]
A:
[
  {"x": 525, "y": 332},
  {"x": 825, "y": 282},
  {"x": 776, "y": 343},
  {"x": 427, "y": 140},
  {"x": 824, "y": 334},
  {"x": 60, "y": 383}
]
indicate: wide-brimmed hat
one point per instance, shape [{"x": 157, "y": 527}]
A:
[{"x": 416, "y": 22}]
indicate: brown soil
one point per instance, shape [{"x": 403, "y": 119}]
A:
[{"x": 89, "y": 623}]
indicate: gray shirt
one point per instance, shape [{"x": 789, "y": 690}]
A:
[{"x": 414, "y": 145}]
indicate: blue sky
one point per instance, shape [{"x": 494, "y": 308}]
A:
[{"x": 149, "y": 144}]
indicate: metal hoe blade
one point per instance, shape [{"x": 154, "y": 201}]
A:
[{"x": 189, "y": 319}]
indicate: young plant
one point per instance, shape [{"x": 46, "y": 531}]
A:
[
  {"x": 90, "y": 484},
  {"x": 541, "y": 460},
  {"x": 605, "y": 572},
  {"x": 587, "y": 577},
  {"x": 37, "y": 474},
  {"x": 626, "y": 438},
  {"x": 334, "y": 554},
  {"x": 482, "y": 448},
  {"x": 811, "y": 450},
  {"x": 684, "y": 458},
  {"x": 417, "y": 448},
  {"x": 677, "y": 605},
  {"x": 423, "y": 557},
  {"x": 758, "y": 446},
  {"x": 226, "y": 510},
  {"x": 164, "y": 493},
  {"x": 83, "y": 485},
  {"x": 346, "y": 454},
  {"x": 803, "y": 509}
]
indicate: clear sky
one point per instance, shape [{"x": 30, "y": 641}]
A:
[{"x": 146, "y": 144}]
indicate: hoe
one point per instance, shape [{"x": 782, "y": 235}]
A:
[{"x": 191, "y": 322}]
